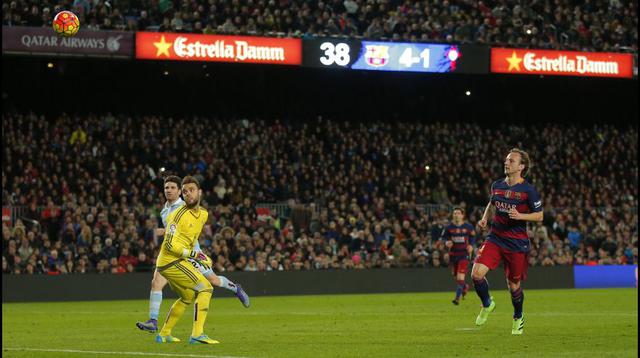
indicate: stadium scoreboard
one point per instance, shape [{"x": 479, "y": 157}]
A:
[
  {"x": 348, "y": 54},
  {"x": 394, "y": 56}
]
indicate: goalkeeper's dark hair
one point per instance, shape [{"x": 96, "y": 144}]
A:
[
  {"x": 190, "y": 180},
  {"x": 173, "y": 179}
]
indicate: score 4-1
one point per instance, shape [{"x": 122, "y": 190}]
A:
[{"x": 407, "y": 59}]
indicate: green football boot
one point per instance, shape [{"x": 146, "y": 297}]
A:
[
  {"x": 517, "y": 326},
  {"x": 484, "y": 313}
]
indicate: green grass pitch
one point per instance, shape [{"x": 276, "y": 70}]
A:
[{"x": 559, "y": 323}]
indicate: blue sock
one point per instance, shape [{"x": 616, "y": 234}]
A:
[
  {"x": 482, "y": 289},
  {"x": 155, "y": 299},
  {"x": 517, "y": 298},
  {"x": 459, "y": 289},
  {"x": 228, "y": 284}
]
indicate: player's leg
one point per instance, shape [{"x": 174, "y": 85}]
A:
[
  {"x": 452, "y": 266},
  {"x": 203, "y": 291},
  {"x": 465, "y": 288},
  {"x": 454, "y": 272},
  {"x": 155, "y": 300},
  {"x": 487, "y": 259},
  {"x": 175, "y": 312},
  {"x": 181, "y": 283},
  {"x": 461, "y": 270},
  {"x": 200, "y": 311},
  {"x": 221, "y": 281},
  {"x": 516, "y": 265}
]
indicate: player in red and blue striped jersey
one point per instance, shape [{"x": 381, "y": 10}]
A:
[
  {"x": 459, "y": 238},
  {"x": 513, "y": 202}
]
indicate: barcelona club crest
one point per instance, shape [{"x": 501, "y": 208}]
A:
[{"x": 377, "y": 55}]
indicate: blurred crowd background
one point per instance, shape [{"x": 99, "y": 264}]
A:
[
  {"x": 589, "y": 25},
  {"x": 83, "y": 194}
]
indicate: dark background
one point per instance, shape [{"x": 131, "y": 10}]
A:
[
  {"x": 80, "y": 86},
  {"x": 135, "y": 286}
]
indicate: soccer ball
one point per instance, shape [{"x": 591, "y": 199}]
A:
[{"x": 66, "y": 23}]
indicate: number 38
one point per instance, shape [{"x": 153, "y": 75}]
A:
[{"x": 338, "y": 54}]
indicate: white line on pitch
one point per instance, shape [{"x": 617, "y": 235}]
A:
[
  {"x": 123, "y": 353},
  {"x": 467, "y": 329},
  {"x": 262, "y": 313}
]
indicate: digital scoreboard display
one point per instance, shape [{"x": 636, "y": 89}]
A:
[
  {"x": 410, "y": 57},
  {"x": 394, "y": 56},
  {"x": 329, "y": 53}
]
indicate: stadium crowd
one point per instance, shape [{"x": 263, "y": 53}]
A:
[
  {"x": 591, "y": 25},
  {"x": 90, "y": 190}
]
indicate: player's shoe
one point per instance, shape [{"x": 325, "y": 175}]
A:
[
  {"x": 150, "y": 326},
  {"x": 242, "y": 296},
  {"x": 456, "y": 302},
  {"x": 167, "y": 339},
  {"x": 202, "y": 339},
  {"x": 484, "y": 313},
  {"x": 518, "y": 326}
]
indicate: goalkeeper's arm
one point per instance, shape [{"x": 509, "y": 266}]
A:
[
  {"x": 185, "y": 253},
  {"x": 195, "y": 255}
]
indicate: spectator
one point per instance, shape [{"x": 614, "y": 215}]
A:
[
  {"x": 574, "y": 237},
  {"x": 115, "y": 267},
  {"x": 367, "y": 184},
  {"x": 25, "y": 250},
  {"x": 109, "y": 251},
  {"x": 78, "y": 136},
  {"x": 144, "y": 264},
  {"x": 143, "y": 21},
  {"x": 589, "y": 27},
  {"x": 126, "y": 258}
]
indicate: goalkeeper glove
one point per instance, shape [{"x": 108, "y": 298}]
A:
[{"x": 197, "y": 256}]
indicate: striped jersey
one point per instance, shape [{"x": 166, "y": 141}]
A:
[
  {"x": 461, "y": 236},
  {"x": 506, "y": 232}
]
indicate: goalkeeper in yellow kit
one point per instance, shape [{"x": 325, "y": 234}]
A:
[{"x": 183, "y": 229}]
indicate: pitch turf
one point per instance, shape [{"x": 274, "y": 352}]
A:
[{"x": 559, "y": 323}]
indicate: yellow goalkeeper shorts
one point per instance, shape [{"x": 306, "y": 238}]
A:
[{"x": 185, "y": 279}]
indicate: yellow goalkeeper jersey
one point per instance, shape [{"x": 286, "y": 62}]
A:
[{"x": 182, "y": 231}]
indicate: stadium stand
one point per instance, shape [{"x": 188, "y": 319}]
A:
[
  {"x": 593, "y": 25},
  {"x": 85, "y": 193}
]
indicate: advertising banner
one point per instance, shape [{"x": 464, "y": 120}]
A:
[
  {"x": 603, "y": 276},
  {"x": 43, "y": 41},
  {"x": 218, "y": 48},
  {"x": 565, "y": 63}
]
